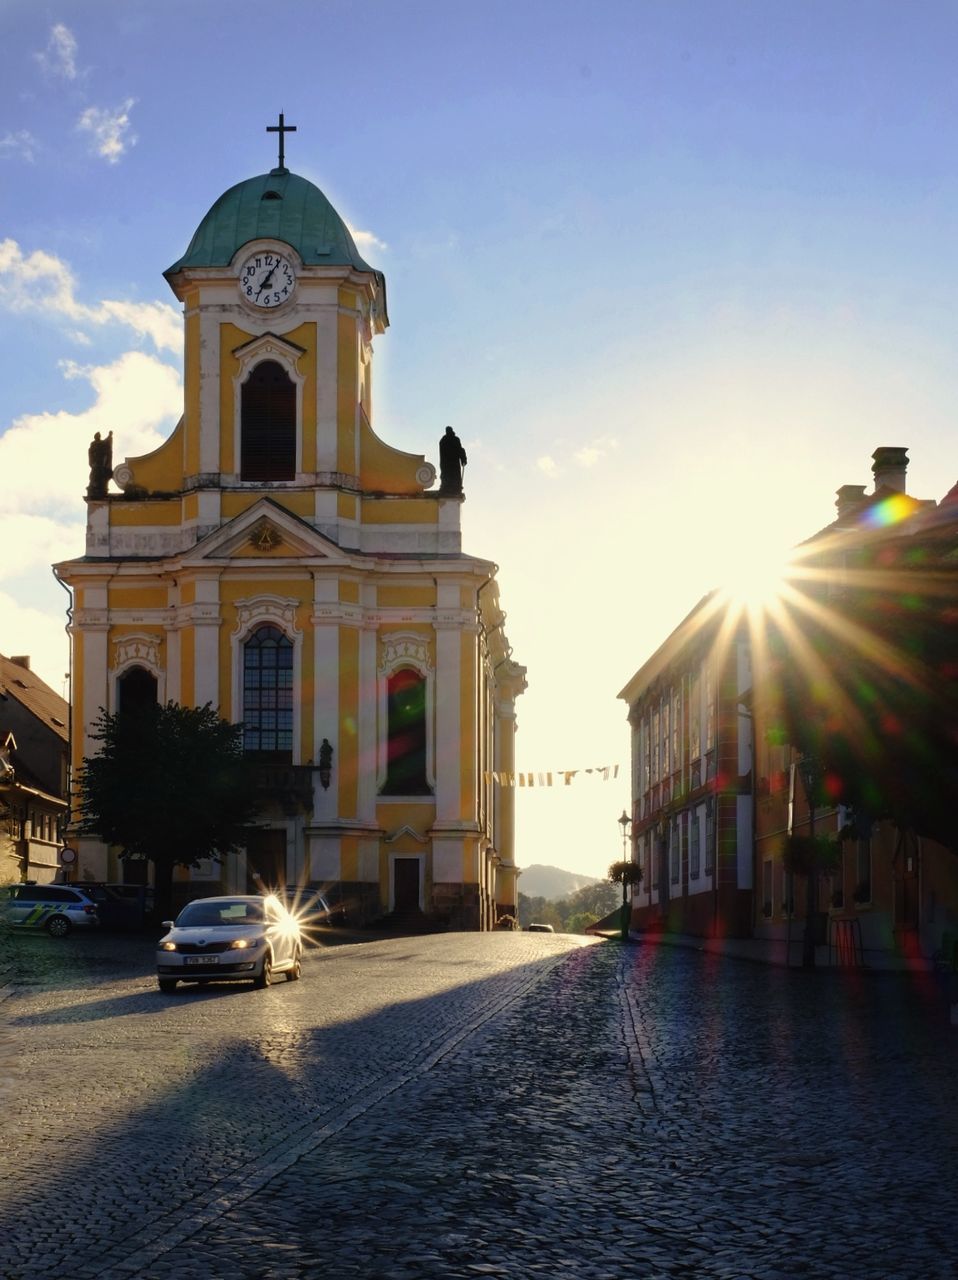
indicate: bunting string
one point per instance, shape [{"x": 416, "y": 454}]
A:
[{"x": 554, "y": 777}]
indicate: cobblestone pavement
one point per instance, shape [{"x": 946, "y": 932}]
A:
[{"x": 483, "y": 1105}]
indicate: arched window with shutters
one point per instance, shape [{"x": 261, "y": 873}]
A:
[
  {"x": 268, "y": 694},
  {"x": 268, "y": 424}
]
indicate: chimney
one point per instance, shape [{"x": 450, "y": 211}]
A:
[
  {"x": 21, "y": 660},
  {"x": 848, "y": 499},
  {"x": 889, "y": 465}
]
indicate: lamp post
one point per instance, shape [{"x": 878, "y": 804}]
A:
[
  {"x": 624, "y": 822},
  {"x": 809, "y": 769}
]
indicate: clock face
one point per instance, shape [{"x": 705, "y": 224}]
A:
[{"x": 267, "y": 279}]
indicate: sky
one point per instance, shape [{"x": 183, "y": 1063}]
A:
[{"x": 672, "y": 269}]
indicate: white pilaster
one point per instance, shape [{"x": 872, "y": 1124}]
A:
[
  {"x": 448, "y": 696},
  {"x": 209, "y": 424},
  {"x": 206, "y": 631},
  {"x": 367, "y": 736},
  {"x": 95, "y": 680},
  {"x": 326, "y": 696}
]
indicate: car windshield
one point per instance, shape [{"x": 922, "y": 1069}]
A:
[{"x": 206, "y": 914}]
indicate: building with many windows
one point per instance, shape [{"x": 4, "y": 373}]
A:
[
  {"x": 724, "y": 802},
  {"x": 691, "y": 777},
  {"x": 279, "y": 560}
]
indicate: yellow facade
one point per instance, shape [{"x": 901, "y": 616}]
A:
[{"x": 313, "y": 536}]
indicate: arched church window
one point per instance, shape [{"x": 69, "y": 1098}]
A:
[
  {"x": 268, "y": 424},
  {"x": 268, "y": 694},
  {"x": 406, "y": 735},
  {"x": 136, "y": 690}
]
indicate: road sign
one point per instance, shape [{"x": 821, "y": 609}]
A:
[{"x": 67, "y": 857}]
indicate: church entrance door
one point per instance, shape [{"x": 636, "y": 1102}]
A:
[
  {"x": 406, "y": 886},
  {"x": 266, "y": 859}
]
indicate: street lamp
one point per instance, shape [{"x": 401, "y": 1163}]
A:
[
  {"x": 625, "y": 873},
  {"x": 625, "y": 822}
]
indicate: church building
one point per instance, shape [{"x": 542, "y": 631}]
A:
[{"x": 277, "y": 559}]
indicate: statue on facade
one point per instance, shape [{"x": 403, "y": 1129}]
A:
[
  {"x": 325, "y": 763},
  {"x": 452, "y": 460},
  {"x": 100, "y": 456}
]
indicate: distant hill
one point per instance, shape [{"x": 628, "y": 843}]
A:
[{"x": 552, "y": 883}]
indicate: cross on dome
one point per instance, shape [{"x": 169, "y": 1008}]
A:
[{"x": 281, "y": 129}]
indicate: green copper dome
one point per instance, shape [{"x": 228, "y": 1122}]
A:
[{"x": 277, "y": 206}]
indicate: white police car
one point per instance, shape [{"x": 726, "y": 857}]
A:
[{"x": 55, "y": 907}]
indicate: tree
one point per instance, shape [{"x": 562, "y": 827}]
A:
[
  {"x": 625, "y": 873},
  {"x": 170, "y": 784}
]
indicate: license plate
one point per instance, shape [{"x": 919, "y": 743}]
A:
[{"x": 201, "y": 959}]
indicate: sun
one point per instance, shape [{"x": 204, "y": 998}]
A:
[{"x": 756, "y": 579}]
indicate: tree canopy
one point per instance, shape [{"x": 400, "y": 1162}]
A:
[
  {"x": 168, "y": 783},
  {"x": 572, "y": 914}
]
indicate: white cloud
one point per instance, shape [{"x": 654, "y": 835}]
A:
[
  {"x": 59, "y": 57},
  {"x": 110, "y": 130},
  {"x": 158, "y": 321},
  {"x": 366, "y": 240},
  {"x": 22, "y": 143},
  {"x": 547, "y": 465},
  {"x": 39, "y": 540},
  {"x": 40, "y": 281},
  {"x": 39, "y": 634},
  {"x": 592, "y": 453},
  {"x": 44, "y": 464},
  {"x": 43, "y": 456}
]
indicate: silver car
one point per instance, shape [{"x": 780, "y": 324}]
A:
[{"x": 226, "y": 939}]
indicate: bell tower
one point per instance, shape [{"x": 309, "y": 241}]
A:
[{"x": 277, "y": 559}]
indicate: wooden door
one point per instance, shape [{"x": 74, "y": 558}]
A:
[{"x": 405, "y": 885}]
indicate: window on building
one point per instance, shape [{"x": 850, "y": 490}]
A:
[
  {"x": 406, "y": 735},
  {"x": 676, "y": 725},
  {"x": 666, "y": 757},
  {"x": 268, "y": 694},
  {"x": 656, "y": 747},
  {"x": 695, "y": 720},
  {"x": 695, "y": 847},
  {"x": 710, "y": 837},
  {"x": 268, "y": 424},
  {"x": 709, "y": 683},
  {"x": 135, "y": 690},
  {"x": 655, "y": 853},
  {"x": 675, "y": 852}
]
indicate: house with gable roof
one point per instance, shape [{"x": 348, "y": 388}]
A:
[{"x": 34, "y": 744}]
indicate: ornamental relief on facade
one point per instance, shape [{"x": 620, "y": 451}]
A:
[
  {"x": 141, "y": 650},
  {"x": 259, "y": 609},
  {"x": 265, "y": 537},
  {"x": 404, "y": 648}
]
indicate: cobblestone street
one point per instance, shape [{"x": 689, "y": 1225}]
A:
[{"x": 468, "y": 1105}]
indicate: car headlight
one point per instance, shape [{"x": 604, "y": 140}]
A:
[
  {"x": 166, "y": 945},
  {"x": 241, "y": 944}
]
